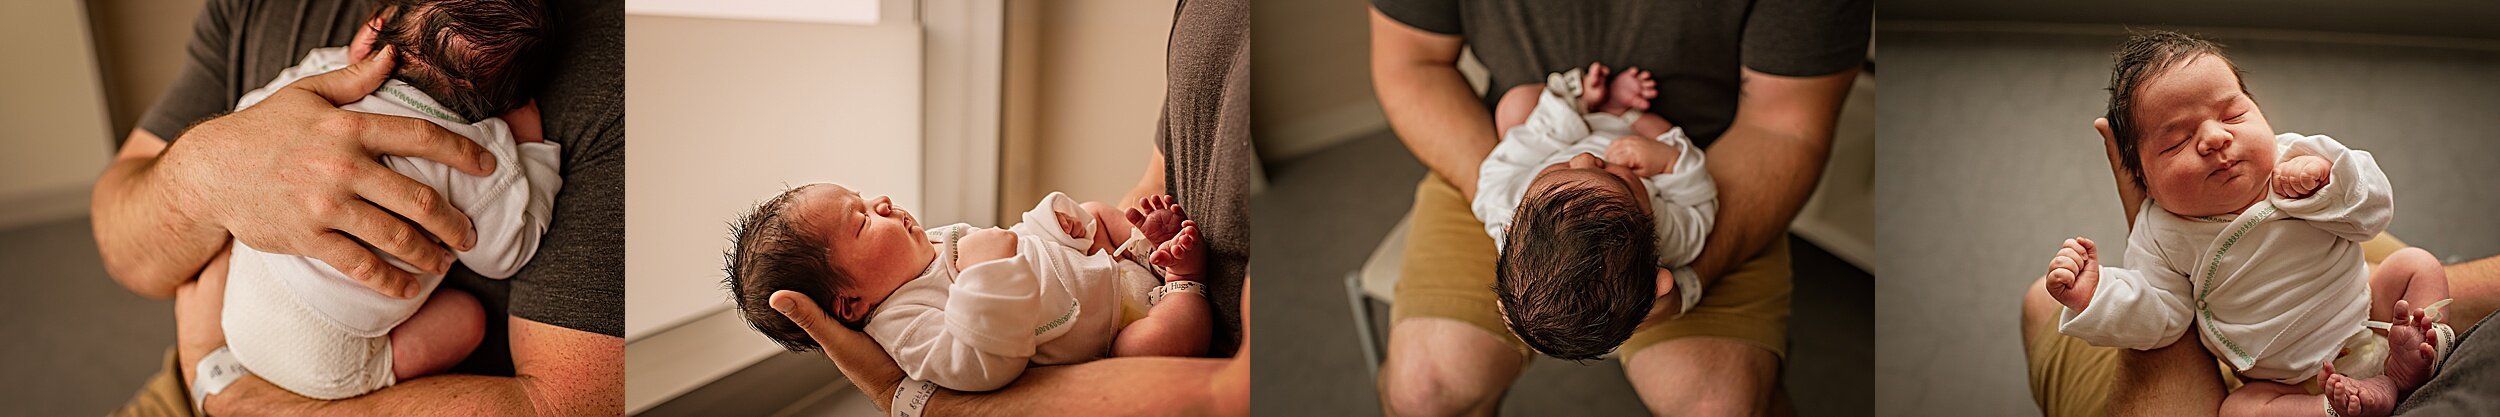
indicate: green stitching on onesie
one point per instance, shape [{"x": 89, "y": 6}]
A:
[{"x": 2215, "y": 264}]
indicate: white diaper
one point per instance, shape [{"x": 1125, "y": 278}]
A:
[{"x": 280, "y": 339}]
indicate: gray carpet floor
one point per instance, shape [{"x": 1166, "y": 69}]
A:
[
  {"x": 1988, "y": 159},
  {"x": 78, "y": 344},
  {"x": 1322, "y": 215}
]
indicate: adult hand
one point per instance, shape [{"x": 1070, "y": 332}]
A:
[
  {"x": 296, "y": 175},
  {"x": 861, "y": 360}
]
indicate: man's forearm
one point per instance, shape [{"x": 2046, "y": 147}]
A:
[
  {"x": 440, "y": 395},
  {"x": 2177, "y": 380},
  {"x": 1138, "y": 386},
  {"x": 1764, "y": 178},
  {"x": 1428, "y": 103},
  {"x": 1438, "y": 117},
  {"x": 148, "y": 243}
]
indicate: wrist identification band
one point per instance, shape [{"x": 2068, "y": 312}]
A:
[
  {"x": 1193, "y": 287},
  {"x": 216, "y": 371},
  {"x": 1687, "y": 289},
  {"x": 910, "y": 397}
]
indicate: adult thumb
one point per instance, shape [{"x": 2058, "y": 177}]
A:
[{"x": 347, "y": 85}]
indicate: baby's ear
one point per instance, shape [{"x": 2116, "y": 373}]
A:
[{"x": 2101, "y": 124}]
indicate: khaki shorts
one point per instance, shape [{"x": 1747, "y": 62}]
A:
[
  {"x": 1449, "y": 273},
  {"x": 2071, "y": 378}
]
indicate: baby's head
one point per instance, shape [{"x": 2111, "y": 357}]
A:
[
  {"x": 1579, "y": 267},
  {"x": 823, "y": 241},
  {"x": 2186, "y": 126},
  {"x": 479, "y": 58}
]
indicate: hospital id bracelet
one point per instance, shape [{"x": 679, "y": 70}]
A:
[
  {"x": 911, "y": 397},
  {"x": 1193, "y": 287},
  {"x": 215, "y": 371}
]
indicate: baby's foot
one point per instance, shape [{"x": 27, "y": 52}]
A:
[
  {"x": 1157, "y": 218},
  {"x": 2410, "y": 352},
  {"x": 1632, "y": 90},
  {"x": 1182, "y": 258},
  {"x": 1593, "y": 87},
  {"x": 2359, "y": 397}
]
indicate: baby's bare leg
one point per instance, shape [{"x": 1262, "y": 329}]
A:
[
  {"x": 1179, "y": 326},
  {"x": 1113, "y": 227},
  {"x": 2410, "y": 274},
  {"x": 1650, "y": 125},
  {"x": 1515, "y": 107},
  {"x": 2269, "y": 398},
  {"x": 440, "y": 335}
]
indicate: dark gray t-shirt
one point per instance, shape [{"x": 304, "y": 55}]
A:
[
  {"x": 1696, "y": 48},
  {"x": 1205, "y": 138},
  {"x": 577, "y": 278}
]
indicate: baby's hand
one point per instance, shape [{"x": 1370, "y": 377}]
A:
[
  {"x": 1646, "y": 156},
  {"x": 1631, "y": 89},
  {"x": 1068, "y": 224},
  {"x": 525, "y": 123},
  {"x": 2301, "y": 176},
  {"x": 2074, "y": 273}
]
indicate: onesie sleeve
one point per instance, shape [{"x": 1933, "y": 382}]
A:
[
  {"x": 976, "y": 337},
  {"x": 2356, "y": 203},
  {"x": 2142, "y": 306},
  {"x": 1043, "y": 221},
  {"x": 509, "y": 208},
  {"x": 1502, "y": 180},
  {"x": 1685, "y": 203}
]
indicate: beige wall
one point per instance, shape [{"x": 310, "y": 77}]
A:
[
  {"x": 140, "y": 46},
  {"x": 1085, "y": 88},
  {"x": 726, "y": 113},
  {"x": 53, "y": 127},
  {"x": 1311, "y": 86}
]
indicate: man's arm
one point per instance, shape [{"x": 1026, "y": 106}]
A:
[
  {"x": 1768, "y": 162},
  {"x": 1147, "y": 386},
  {"x": 1428, "y": 102},
  {"x": 148, "y": 245},
  {"x": 1152, "y": 183},
  {"x": 557, "y": 372},
  {"x": 293, "y": 175}
]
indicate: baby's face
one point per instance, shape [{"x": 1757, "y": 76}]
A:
[
  {"x": 879, "y": 245},
  {"x": 2206, "y": 148},
  {"x": 1585, "y": 170}
]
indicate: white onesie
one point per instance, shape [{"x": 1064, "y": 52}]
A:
[
  {"x": 1050, "y": 304},
  {"x": 1684, "y": 201},
  {"x": 303, "y": 326},
  {"x": 2277, "y": 291}
]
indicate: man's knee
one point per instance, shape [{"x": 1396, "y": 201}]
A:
[
  {"x": 1436, "y": 369},
  {"x": 1417, "y": 391}
]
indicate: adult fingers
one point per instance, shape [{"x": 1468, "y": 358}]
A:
[
  {"x": 416, "y": 202},
  {"x": 360, "y": 265},
  {"x": 804, "y": 312},
  {"x": 346, "y": 85},
  {"x": 395, "y": 237},
  {"x": 402, "y": 136}
]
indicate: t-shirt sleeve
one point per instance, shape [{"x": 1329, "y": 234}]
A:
[
  {"x": 1436, "y": 16},
  {"x": 577, "y": 279},
  {"x": 1807, "y": 37},
  {"x": 198, "y": 92}
]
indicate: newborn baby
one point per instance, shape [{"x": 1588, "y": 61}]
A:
[
  {"x": 2255, "y": 239},
  {"x": 967, "y": 308},
  {"x": 1589, "y": 243},
  {"x": 305, "y": 327}
]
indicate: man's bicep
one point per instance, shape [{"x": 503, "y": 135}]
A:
[
  {"x": 568, "y": 372},
  {"x": 1800, "y": 108},
  {"x": 1394, "y": 43}
]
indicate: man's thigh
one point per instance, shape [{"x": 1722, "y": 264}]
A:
[
  {"x": 1449, "y": 352},
  {"x": 1704, "y": 376}
]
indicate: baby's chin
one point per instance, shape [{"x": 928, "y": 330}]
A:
[{"x": 2234, "y": 195}]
